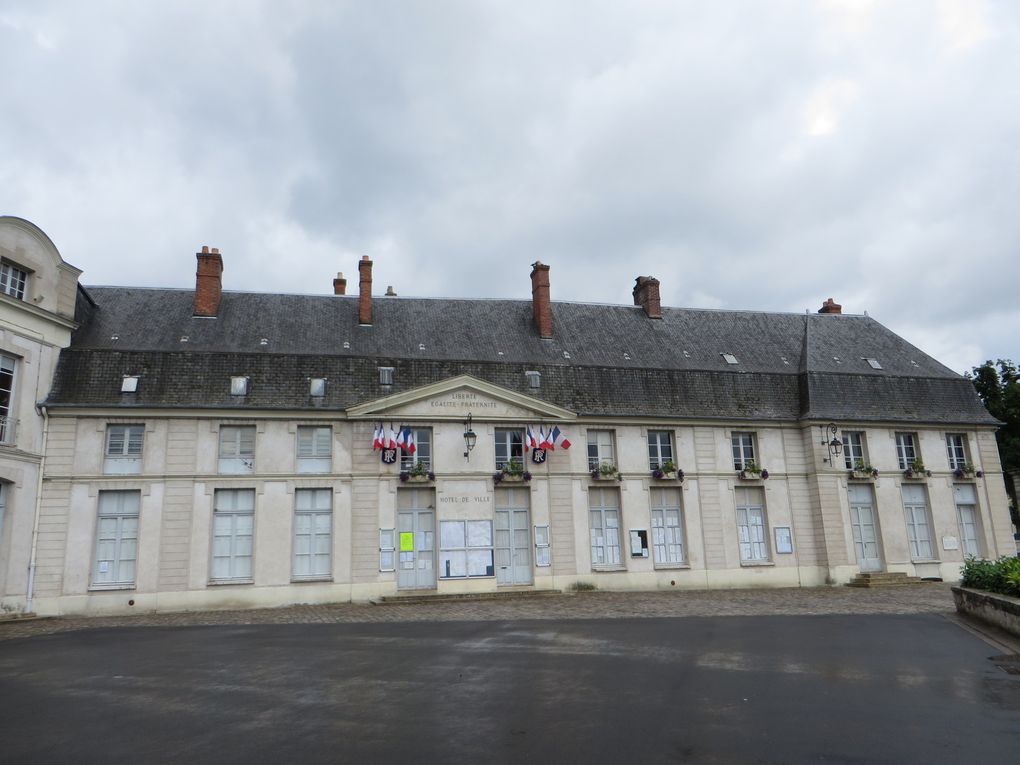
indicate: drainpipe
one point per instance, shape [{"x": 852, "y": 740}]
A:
[{"x": 38, "y": 510}]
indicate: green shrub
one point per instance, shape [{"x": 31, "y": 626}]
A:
[
  {"x": 583, "y": 587},
  {"x": 1001, "y": 576}
]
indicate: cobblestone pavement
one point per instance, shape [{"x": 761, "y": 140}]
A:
[{"x": 906, "y": 599}]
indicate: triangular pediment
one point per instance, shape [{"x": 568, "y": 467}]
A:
[{"x": 456, "y": 398}]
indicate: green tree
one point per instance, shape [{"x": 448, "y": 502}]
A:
[{"x": 998, "y": 385}]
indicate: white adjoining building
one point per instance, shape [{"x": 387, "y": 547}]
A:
[{"x": 213, "y": 449}]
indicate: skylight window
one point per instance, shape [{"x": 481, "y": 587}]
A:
[
  {"x": 730, "y": 358},
  {"x": 873, "y": 363},
  {"x": 238, "y": 386},
  {"x": 129, "y": 384}
]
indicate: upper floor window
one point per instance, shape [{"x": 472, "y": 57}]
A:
[
  {"x": 13, "y": 280},
  {"x": 509, "y": 447},
  {"x": 124, "y": 449},
  {"x": 600, "y": 449},
  {"x": 314, "y": 449},
  {"x": 7, "y": 419},
  {"x": 743, "y": 449},
  {"x": 237, "y": 449},
  {"x": 660, "y": 448},
  {"x": 416, "y": 449},
  {"x": 906, "y": 450},
  {"x": 956, "y": 447},
  {"x": 853, "y": 449}
]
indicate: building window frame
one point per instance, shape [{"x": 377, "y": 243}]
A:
[
  {"x": 660, "y": 448},
  {"x": 509, "y": 447},
  {"x": 314, "y": 448},
  {"x": 13, "y": 279},
  {"x": 466, "y": 549},
  {"x": 8, "y": 385},
  {"x": 237, "y": 449},
  {"x": 233, "y": 537},
  {"x": 907, "y": 452},
  {"x": 422, "y": 451},
  {"x": 855, "y": 453},
  {"x": 743, "y": 447},
  {"x": 601, "y": 448},
  {"x": 605, "y": 524},
  {"x": 115, "y": 555},
  {"x": 965, "y": 496},
  {"x": 123, "y": 451},
  {"x": 313, "y": 531},
  {"x": 956, "y": 450},
  {"x": 917, "y": 516},
  {"x": 668, "y": 543},
  {"x": 752, "y": 525}
]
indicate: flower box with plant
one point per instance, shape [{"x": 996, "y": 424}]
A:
[
  {"x": 419, "y": 473},
  {"x": 668, "y": 471},
  {"x": 752, "y": 472},
  {"x": 512, "y": 472},
  {"x": 967, "y": 471},
  {"x": 916, "y": 470},
  {"x": 605, "y": 471},
  {"x": 862, "y": 471}
]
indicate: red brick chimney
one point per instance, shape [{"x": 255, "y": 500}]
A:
[
  {"x": 339, "y": 284},
  {"x": 365, "y": 298},
  {"x": 830, "y": 306},
  {"x": 208, "y": 282},
  {"x": 542, "y": 310},
  {"x": 646, "y": 295}
]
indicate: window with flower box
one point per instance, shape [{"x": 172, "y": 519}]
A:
[
  {"x": 422, "y": 456},
  {"x": 853, "y": 449},
  {"x": 956, "y": 448},
  {"x": 660, "y": 448},
  {"x": 601, "y": 450},
  {"x": 509, "y": 447},
  {"x": 742, "y": 444},
  {"x": 906, "y": 450}
]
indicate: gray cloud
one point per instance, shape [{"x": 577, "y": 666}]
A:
[{"x": 759, "y": 156}]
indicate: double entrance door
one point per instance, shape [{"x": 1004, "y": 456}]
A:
[
  {"x": 865, "y": 530},
  {"x": 416, "y": 539},
  {"x": 513, "y": 537}
]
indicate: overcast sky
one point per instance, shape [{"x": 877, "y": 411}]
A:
[{"x": 751, "y": 155}]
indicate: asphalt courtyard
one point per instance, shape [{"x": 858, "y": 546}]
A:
[{"x": 779, "y": 676}]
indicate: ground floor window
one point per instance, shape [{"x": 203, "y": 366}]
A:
[
  {"x": 313, "y": 524},
  {"x": 970, "y": 529},
  {"x": 667, "y": 528},
  {"x": 116, "y": 538},
  {"x": 233, "y": 527},
  {"x": 751, "y": 526},
  {"x": 604, "y": 520},
  {"x": 915, "y": 509},
  {"x": 465, "y": 549}
]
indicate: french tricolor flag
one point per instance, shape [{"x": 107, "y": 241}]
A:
[
  {"x": 558, "y": 439},
  {"x": 409, "y": 447},
  {"x": 377, "y": 438}
]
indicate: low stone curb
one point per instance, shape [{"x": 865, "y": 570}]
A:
[{"x": 999, "y": 610}]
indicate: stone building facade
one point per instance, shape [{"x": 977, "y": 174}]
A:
[{"x": 213, "y": 449}]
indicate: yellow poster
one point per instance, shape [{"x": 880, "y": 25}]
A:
[{"x": 406, "y": 541}]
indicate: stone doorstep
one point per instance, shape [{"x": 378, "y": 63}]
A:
[
  {"x": 435, "y": 597},
  {"x": 883, "y": 579}
]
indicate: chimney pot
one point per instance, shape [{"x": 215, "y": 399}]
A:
[
  {"x": 208, "y": 282},
  {"x": 646, "y": 295},
  {"x": 540, "y": 302},
  {"x": 390, "y": 292},
  {"x": 365, "y": 291},
  {"x": 831, "y": 306},
  {"x": 205, "y": 249},
  {"x": 339, "y": 284}
]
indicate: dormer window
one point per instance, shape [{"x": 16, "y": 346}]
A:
[
  {"x": 238, "y": 386},
  {"x": 386, "y": 375},
  {"x": 13, "y": 280},
  {"x": 129, "y": 384},
  {"x": 534, "y": 379},
  {"x": 317, "y": 387}
]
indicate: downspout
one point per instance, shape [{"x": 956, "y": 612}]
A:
[{"x": 38, "y": 511}]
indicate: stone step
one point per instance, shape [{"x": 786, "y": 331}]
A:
[
  {"x": 882, "y": 579},
  {"x": 435, "y": 597}
]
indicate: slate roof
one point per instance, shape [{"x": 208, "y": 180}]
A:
[{"x": 602, "y": 360}]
